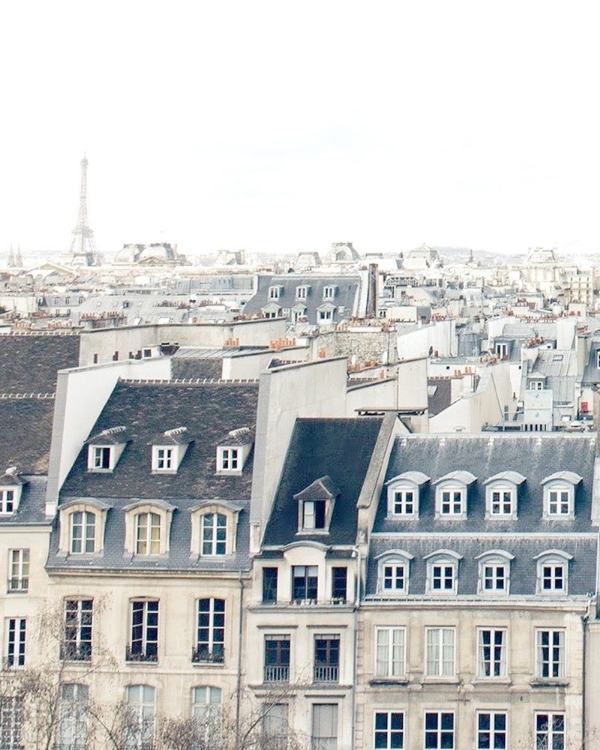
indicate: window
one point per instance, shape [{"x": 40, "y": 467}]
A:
[
  {"x": 313, "y": 514},
  {"x": 274, "y": 292},
  {"x": 78, "y": 629},
  {"x": 550, "y": 654},
  {"x": 269, "y": 590},
  {"x": 491, "y": 730},
  {"x": 393, "y": 567},
  {"x": 15, "y": 629},
  {"x": 214, "y": 534},
  {"x": 100, "y": 459},
  {"x": 501, "y": 349},
  {"x": 552, "y": 572},
  {"x": 559, "y": 502},
  {"x": 394, "y": 577},
  {"x": 144, "y": 631},
  {"x": 452, "y": 502},
  {"x": 451, "y": 495},
  {"x": 403, "y": 494},
  {"x": 442, "y": 570},
  {"x": 439, "y": 658},
  {"x": 494, "y": 577},
  {"x": 83, "y": 532},
  {"x": 324, "y": 726},
  {"x": 494, "y": 572},
  {"x": 147, "y": 534},
  {"x": 501, "y": 502},
  {"x": 315, "y": 504},
  {"x": 404, "y": 503},
  {"x": 18, "y": 570},
  {"x": 228, "y": 459},
  {"x": 72, "y": 730},
  {"x": 210, "y": 643},
  {"x": 275, "y": 725},
  {"x": 163, "y": 459},
  {"x": 325, "y": 316},
  {"x": 7, "y": 502},
  {"x": 339, "y": 585},
  {"x": 492, "y": 653},
  {"x": 305, "y": 583},
  {"x": 390, "y": 652},
  {"x": 270, "y": 314},
  {"x": 327, "y": 658},
  {"x": 559, "y": 494},
  {"x": 11, "y": 722},
  {"x": 207, "y": 714},
  {"x": 550, "y": 731},
  {"x": 536, "y": 385},
  {"x": 389, "y": 730},
  {"x": 141, "y": 702},
  {"x": 277, "y": 658},
  {"x": 329, "y": 292},
  {"x": 439, "y": 730},
  {"x": 302, "y": 292}
]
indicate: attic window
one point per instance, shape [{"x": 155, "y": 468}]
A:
[
  {"x": 315, "y": 505},
  {"x": 302, "y": 291},
  {"x": 11, "y": 486},
  {"x": 105, "y": 449},
  {"x": 451, "y": 495},
  {"x": 275, "y": 292},
  {"x": 559, "y": 495},
  {"x": 233, "y": 451},
  {"x": 169, "y": 449},
  {"x": 329, "y": 292},
  {"x": 7, "y": 501}
]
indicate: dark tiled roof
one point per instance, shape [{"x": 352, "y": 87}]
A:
[
  {"x": 338, "y": 448},
  {"x": 113, "y": 436},
  {"x": 442, "y": 396},
  {"x": 185, "y": 368},
  {"x": 29, "y": 362},
  {"x": 26, "y": 433}
]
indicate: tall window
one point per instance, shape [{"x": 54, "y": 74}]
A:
[
  {"x": 269, "y": 592},
  {"x": 141, "y": 701},
  {"x": 305, "y": 582},
  {"x": 550, "y": 731},
  {"x": 16, "y": 629},
  {"x": 144, "y": 631},
  {"x": 440, "y": 652},
  {"x": 277, "y": 658},
  {"x": 492, "y": 653},
  {"x": 83, "y": 532},
  {"x": 327, "y": 658},
  {"x": 18, "y": 570},
  {"x": 550, "y": 653},
  {"x": 275, "y": 725},
  {"x": 390, "y": 652},
  {"x": 324, "y": 726},
  {"x": 72, "y": 728},
  {"x": 210, "y": 644},
  {"x": 491, "y": 730},
  {"x": 207, "y": 715},
  {"x": 78, "y": 629},
  {"x": 389, "y": 730},
  {"x": 339, "y": 584},
  {"x": 7, "y": 502},
  {"x": 147, "y": 534},
  {"x": 439, "y": 730},
  {"x": 214, "y": 534},
  {"x": 11, "y": 722}
]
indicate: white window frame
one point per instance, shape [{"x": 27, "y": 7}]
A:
[
  {"x": 302, "y": 291},
  {"x": 393, "y": 572},
  {"x": 96, "y": 455},
  {"x": 325, "y": 316},
  {"x": 86, "y": 521},
  {"x": 499, "y": 496},
  {"x": 390, "y": 652},
  {"x": 145, "y": 523},
  {"x": 329, "y": 291},
  {"x": 439, "y": 731},
  {"x": 144, "y": 629},
  {"x": 451, "y": 501},
  {"x": 214, "y": 528},
  {"x": 164, "y": 459},
  {"x": 492, "y": 652},
  {"x": 392, "y": 732},
  {"x": 229, "y": 460},
  {"x": 553, "y": 573},
  {"x": 72, "y": 729},
  {"x": 494, "y": 567},
  {"x": 550, "y": 653},
  {"x": 492, "y": 736},
  {"x": 79, "y": 629},
  {"x": 325, "y": 741},
  {"x": 8, "y": 501},
  {"x": 211, "y": 647},
  {"x": 404, "y": 502},
  {"x": 559, "y": 501},
  {"x": 440, "y": 652},
  {"x": 18, "y": 570},
  {"x": 16, "y": 641},
  {"x": 141, "y": 700},
  {"x": 547, "y": 736},
  {"x": 207, "y": 712},
  {"x": 274, "y": 292},
  {"x": 442, "y": 568}
]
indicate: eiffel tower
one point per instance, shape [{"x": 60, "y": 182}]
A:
[{"x": 83, "y": 247}]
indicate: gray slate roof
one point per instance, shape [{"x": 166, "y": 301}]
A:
[
  {"x": 26, "y": 433},
  {"x": 29, "y": 362},
  {"x": 32, "y": 508}
]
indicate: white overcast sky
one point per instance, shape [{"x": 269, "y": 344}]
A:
[{"x": 280, "y": 126}]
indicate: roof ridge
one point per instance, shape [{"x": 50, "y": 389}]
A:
[
  {"x": 66, "y": 332},
  {"x": 27, "y": 395},
  {"x": 189, "y": 381}
]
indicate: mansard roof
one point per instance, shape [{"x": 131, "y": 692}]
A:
[
  {"x": 27, "y": 431},
  {"x": 29, "y": 361},
  {"x": 321, "y": 489},
  {"x": 32, "y": 506},
  {"x": 340, "y": 449}
]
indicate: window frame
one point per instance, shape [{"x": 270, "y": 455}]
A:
[
  {"x": 78, "y": 629},
  {"x": 164, "y": 459},
  {"x": 447, "y": 507},
  {"x": 504, "y": 489},
  {"x": 494, "y": 663},
  {"x": 310, "y": 578},
  {"x": 73, "y": 717},
  {"x": 9, "y": 500},
  {"x": 211, "y": 624},
  {"x": 550, "y": 657},
  {"x": 11, "y": 722},
  {"x": 214, "y": 534},
  {"x": 15, "y": 649},
  {"x": 439, "y": 730},
  {"x": 389, "y": 656},
  {"x": 449, "y": 561},
  {"x": 276, "y": 659},
  {"x": 494, "y": 733},
  {"x": 144, "y": 713},
  {"x": 545, "y": 738},
  {"x": 327, "y": 653},
  {"x": 144, "y": 630},
  {"x": 393, "y": 566},
  {"x": 389, "y": 734},
  {"x": 497, "y": 560},
  {"x": 19, "y": 561},
  {"x": 439, "y": 666},
  {"x": 88, "y": 522},
  {"x": 214, "y": 508},
  {"x": 101, "y": 451},
  {"x": 549, "y": 563},
  {"x": 147, "y": 542}
]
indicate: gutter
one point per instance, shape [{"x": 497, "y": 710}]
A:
[{"x": 239, "y": 661}]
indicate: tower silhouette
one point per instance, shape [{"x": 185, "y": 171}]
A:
[{"x": 83, "y": 247}]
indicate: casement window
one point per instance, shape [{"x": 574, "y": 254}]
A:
[
  {"x": 163, "y": 458},
  {"x": 442, "y": 577},
  {"x": 214, "y": 534},
  {"x": 324, "y": 735},
  {"x": 403, "y": 494},
  {"x": 147, "y": 534},
  {"x": 451, "y": 495},
  {"x": 82, "y": 532},
  {"x": 440, "y": 652},
  {"x": 11, "y": 722},
  {"x": 404, "y": 503},
  {"x": 553, "y": 572},
  {"x": 492, "y": 653},
  {"x": 452, "y": 502},
  {"x": 207, "y": 714},
  {"x": 313, "y": 515},
  {"x": 494, "y": 572},
  {"x": 325, "y": 315},
  {"x": 393, "y": 572},
  {"x": 550, "y": 653},
  {"x": 316, "y": 504},
  {"x": 18, "y": 570},
  {"x": 72, "y": 730},
  {"x": 79, "y": 616},
  {"x": 275, "y": 725},
  {"x": 390, "y": 652},
  {"x": 502, "y": 502},
  {"x": 144, "y": 631},
  {"x": 277, "y": 658},
  {"x": 274, "y": 292},
  {"x": 439, "y": 730},
  {"x": 100, "y": 458},
  {"x": 550, "y": 731},
  {"x": 269, "y": 585},
  {"x": 394, "y": 577},
  {"x": 327, "y": 658},
  {"x": 141, "y": 701},
  {"x": 329, "y": 292},
  {"x": 305, "y": 583},
  {"x": 339, "y": 585},
  {"x": 388, "y": 730},
  {"x": 229, "y": 459},
  {"x": 210, "y": 637},
  {"x": 442, "y": 572},
  {"x": 491, "y": 730},
  {"x": 559, "y": 502},
  {"x": 270, "y": 314},
  {"x": 302, "y": 292},
  {"x": 559, "y": 495},
  {"x": 7, "y": 502},
  {"x": 16, "y": 633}
]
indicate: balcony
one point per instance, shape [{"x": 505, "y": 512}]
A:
[
  {"x": 135, "y": 654},
  {"x": 276, "y": 674},
  {"x": 326, "y": 673},
  {"x": 18, "y": 585},
  {"x": 203, "y": 655}
]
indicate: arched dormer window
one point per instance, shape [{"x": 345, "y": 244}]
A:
[
  {"x": 147, "y": 527},
  {"x": 82, "y": 524},
  {"x": 494, "y": 572},
  {"x": 553, "y": 572},
  {"x": 393, "y": 572},
  {"x": 403, "y": 493},
  {"x": 502, "y": 494},
  {"x": 442, "y": 572},
  {"x": 559, "y": 494},
  {"x": 451, "y": 495},
  {"x": 214, "y": 528}
]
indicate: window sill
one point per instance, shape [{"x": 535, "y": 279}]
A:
[
  {"x": 491, "y": 681},
  {"x": 389, "y": 681},
  {"x": 228, "y": 473},
  {"x": 440, "y": 681},
  {"x": 542, "y": 682}
]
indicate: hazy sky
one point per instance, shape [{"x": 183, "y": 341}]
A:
[{"x": 280, "y": 126}]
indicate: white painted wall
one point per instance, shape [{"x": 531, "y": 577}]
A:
[
  {"x": 440, "y": 336},
  {"x": 377, "y": 395},
  {"x": 249, "y": 365}
]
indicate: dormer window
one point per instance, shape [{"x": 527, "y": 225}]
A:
[
  {"x": 403, "y": 494},
  {"x": 559, "y": 494},
  {"x": 233, "y": 451},
  {"x": 501, "y": 495},
  {"x": 82, "y": 524},
  {"x": 442, "y": 572},
  {"x": 163, "y": 459},
  {"x": 451, "y": 495},
  {"x": 275, "y": 292},
  {"x": 325, "y": 313},
  {"x": 101, "y": 458},
  {"x": 329, "y": 291},
  {"x": 147, "y": 527},
  {"x": 7, "y": 502},
  {"x": 11, "y": 488},
  {"x": 553, "y": 572},
  {"x": 169, "y": 449},
  {"x": 315, "y": 505},
  {"x": 494, "y": 572},
  {"x": 105, "y": 449},
  {"x": 302, "y": 291},
  {"x": 214, "y": 528},
  {"x": 393, "y": 572}
]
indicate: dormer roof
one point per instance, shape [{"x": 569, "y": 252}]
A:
[
  {"x": 111, "y": 436},
  {"x": 508, "y": 476},
  {"x": 176, "y": 436},
  {"x": 566, "y": 476},
  {"x": 12, "y": 478},
  {"x": 241, "y": 436},
  {"x": 464, "y": 477},
  {"x": 416, "y": 477},
  {"x": 321, "y": 489}
]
